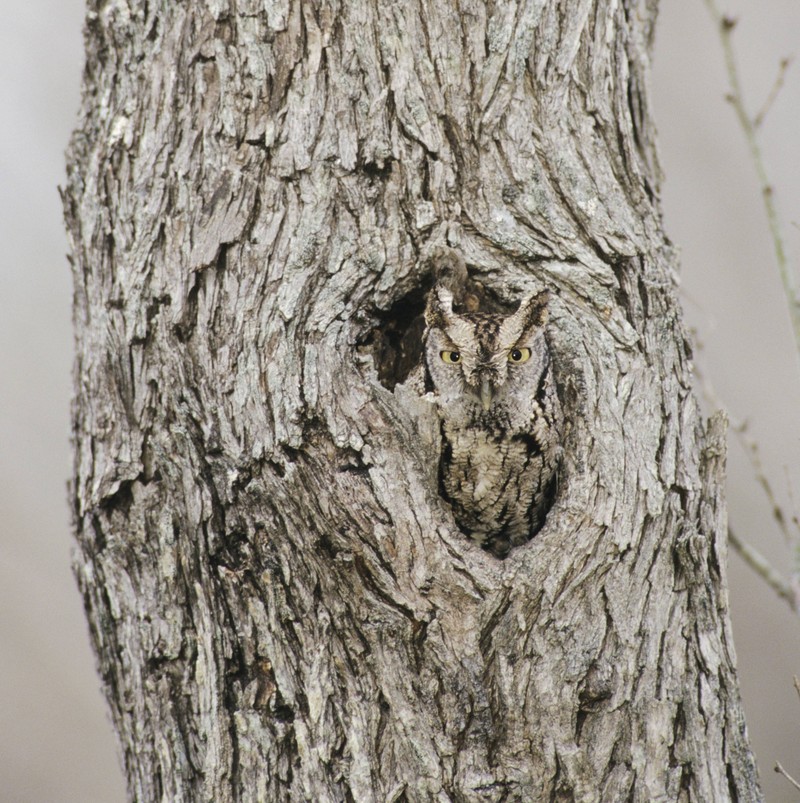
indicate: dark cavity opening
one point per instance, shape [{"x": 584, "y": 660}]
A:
[{"x": 396, "y": 341}]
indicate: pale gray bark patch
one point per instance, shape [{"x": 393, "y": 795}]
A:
[{"x": 280, "y": 602}]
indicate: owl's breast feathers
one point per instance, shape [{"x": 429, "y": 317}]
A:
[{"x": 497, "y": 481}]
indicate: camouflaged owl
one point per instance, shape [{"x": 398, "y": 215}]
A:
[{"x": 501, "y": 419}]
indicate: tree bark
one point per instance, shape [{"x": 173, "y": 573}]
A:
[{"x": 281, "y": 604}]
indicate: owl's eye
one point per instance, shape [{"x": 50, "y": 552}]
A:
[
  {"x": 519, "y": 355},
  {"x": 451, "y": 357}
]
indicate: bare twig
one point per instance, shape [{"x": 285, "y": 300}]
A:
[
  {"x": 750, "y": 555},
  {"x": 783, "y": 66},
  {"x": 787, "y": 524},
  {"x": 750, "y": 446},
  {"x": 779, "y": 769},
  {"x": 761, "y": 566},
  {"x": 725, "y": 26},
  {"x": 792, "y": 501}
]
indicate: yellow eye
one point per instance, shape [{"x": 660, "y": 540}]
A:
[
  {"x": 451, "y": 357},
  {"x": 519, "y": 355}
]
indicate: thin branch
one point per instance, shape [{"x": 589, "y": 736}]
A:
[
  {"x": 751, "y": 448},
  {"x": 792, "y": 500},
  {"x": 725, "y": 26},
  {"x": 761, "y": 566},
  {"x": 750, "y": 555},
  {"x": 783, "y": 66},
  {"x": 779, "y": 769}
]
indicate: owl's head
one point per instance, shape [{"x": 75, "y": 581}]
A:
[{"x": 485, "y": 363}]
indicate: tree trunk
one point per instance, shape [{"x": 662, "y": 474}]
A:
[{"x": 280, "y": 601}]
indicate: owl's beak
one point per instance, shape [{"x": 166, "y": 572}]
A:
[{"x": 486, "y": 394}]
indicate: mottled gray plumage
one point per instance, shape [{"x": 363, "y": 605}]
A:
[{"x": 500, "y": 414}]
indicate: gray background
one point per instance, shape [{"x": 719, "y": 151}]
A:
[{"x": 56, "y": 743}]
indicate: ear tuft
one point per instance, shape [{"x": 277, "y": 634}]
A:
[
  {"x": 533, "y": 310},
  {"x": 439, "y": 311}
]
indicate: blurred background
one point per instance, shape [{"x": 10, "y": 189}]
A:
[{"x": 56, "y": 742}]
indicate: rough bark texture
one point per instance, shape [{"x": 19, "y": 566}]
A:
[{"x": 281, "y": 604}]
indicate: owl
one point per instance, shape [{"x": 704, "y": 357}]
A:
[{"x": 501, "y": 420}]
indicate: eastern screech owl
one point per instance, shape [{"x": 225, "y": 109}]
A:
[{"x": 500, "y": 416}]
